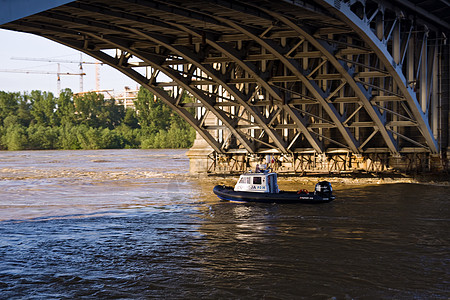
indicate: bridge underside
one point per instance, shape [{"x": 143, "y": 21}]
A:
[{"x": 317, "y": 84}]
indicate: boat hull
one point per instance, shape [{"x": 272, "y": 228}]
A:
[{"x": 227, "y": 193}]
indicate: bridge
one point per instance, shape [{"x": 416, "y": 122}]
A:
[{"x": 304, "y": 85}]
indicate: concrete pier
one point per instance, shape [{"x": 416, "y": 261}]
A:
[
  {"x": 198, "y": 155},
  {"x": 203, "y": 161}
]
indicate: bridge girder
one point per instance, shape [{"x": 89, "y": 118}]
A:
[{"x": 270, "y": 77}]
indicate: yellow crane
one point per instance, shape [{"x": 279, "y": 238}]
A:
[
  {"x": 44, "y": 72},
  {"x": 80, "y": 63}
]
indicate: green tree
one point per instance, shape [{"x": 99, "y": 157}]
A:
[
  {"x": 9, "y": 103},
  {"x": 94, "y": 111},
  {"x": 142, "y": 105},
  {"x": 131, "y": 137},
  {"x": 110, "y": 139},
  {"x": 68, "y": 138},
  {"x": 153, "y": 115},
  {"x": 43, "y": 106},
  {"x": 88, "y": 108},
  {"x": 65, "y": 112},
  {"x": 2, "y": 134},
  {"x": 15, "y": 138},
  {"x": 88, "y": 137},
  {"x": 37, "y": 120},
  {"x": 42, "y": 138},
  {"x": 130, "y": 118},
  {"x": 180, "y": 136},
  {"x": 24, "y": 111},
  {"x": 11, "y": 121},
  {"x": 111, "y": 115}
]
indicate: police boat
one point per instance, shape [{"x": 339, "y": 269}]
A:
[{"x": 263, "y": 187}]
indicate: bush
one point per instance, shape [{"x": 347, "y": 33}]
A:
[
  {"x": 148, "y": 142},
  {"x": 10, "y": 121},
  {"x": 130, "y": 137},
  {"x": 16, "y": 138},
  {"x": 181, "y": 138},
  {"x": 89, "y": 138},
  {"x": 110, "y": 139},
  {"x": 42, "y": 138},
  {"x": 68, "y": 138},
  {"x": 2, "y": 134}
]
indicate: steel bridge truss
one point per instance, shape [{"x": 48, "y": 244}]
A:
[{"x": 285, "y": 77}]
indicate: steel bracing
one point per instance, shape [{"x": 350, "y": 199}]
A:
[{"x": 285, "y": 77}]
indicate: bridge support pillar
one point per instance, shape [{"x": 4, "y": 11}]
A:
[
  {"x": 198, "y": 156},
  {"x": 203, "y": 160}
]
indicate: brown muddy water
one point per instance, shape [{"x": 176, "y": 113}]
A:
[{"x": 131, "y": 224}]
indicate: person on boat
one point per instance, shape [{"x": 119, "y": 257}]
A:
[{"x": 257, "y": 170}]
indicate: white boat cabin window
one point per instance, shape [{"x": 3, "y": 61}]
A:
[
  {"x": 245, "y": 180},
  {"x": 257, "y": 180}
]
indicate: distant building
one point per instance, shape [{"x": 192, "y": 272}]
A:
[{"x": 125, "y": 98}]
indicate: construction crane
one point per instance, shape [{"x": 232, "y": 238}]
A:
[
  {"x": 44, "y": 72},
  {"x": 80, "y": 63}
]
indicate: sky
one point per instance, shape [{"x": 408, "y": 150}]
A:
[{"x": 20, "y": 45}]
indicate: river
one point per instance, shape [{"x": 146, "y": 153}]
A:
[{"x": 131, "y": 224}]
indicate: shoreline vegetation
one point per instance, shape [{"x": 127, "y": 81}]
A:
[{"x": 41, "y": 121}]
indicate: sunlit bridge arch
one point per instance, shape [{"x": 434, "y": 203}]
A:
[{"x": 289, "y": 78}]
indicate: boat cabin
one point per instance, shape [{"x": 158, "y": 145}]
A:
[{"x": 264, "y": 182}]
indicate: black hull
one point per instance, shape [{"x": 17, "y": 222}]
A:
[{"x": 229, "y": 194}]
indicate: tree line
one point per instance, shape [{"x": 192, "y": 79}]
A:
[{"x": 41, "y": 121}]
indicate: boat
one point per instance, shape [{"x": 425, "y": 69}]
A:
[{"x": 263, "y": 187}]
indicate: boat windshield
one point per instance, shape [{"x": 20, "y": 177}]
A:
[
  {"x": 257, "y": 180},
  {"x": 245, "y": 179}
]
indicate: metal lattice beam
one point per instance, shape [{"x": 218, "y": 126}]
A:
[
  {"x": 379, "y": 46},
  {"x": 281, "y": 77}
]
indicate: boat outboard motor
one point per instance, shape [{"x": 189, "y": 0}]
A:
[{"x": 324, "y": 189}]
